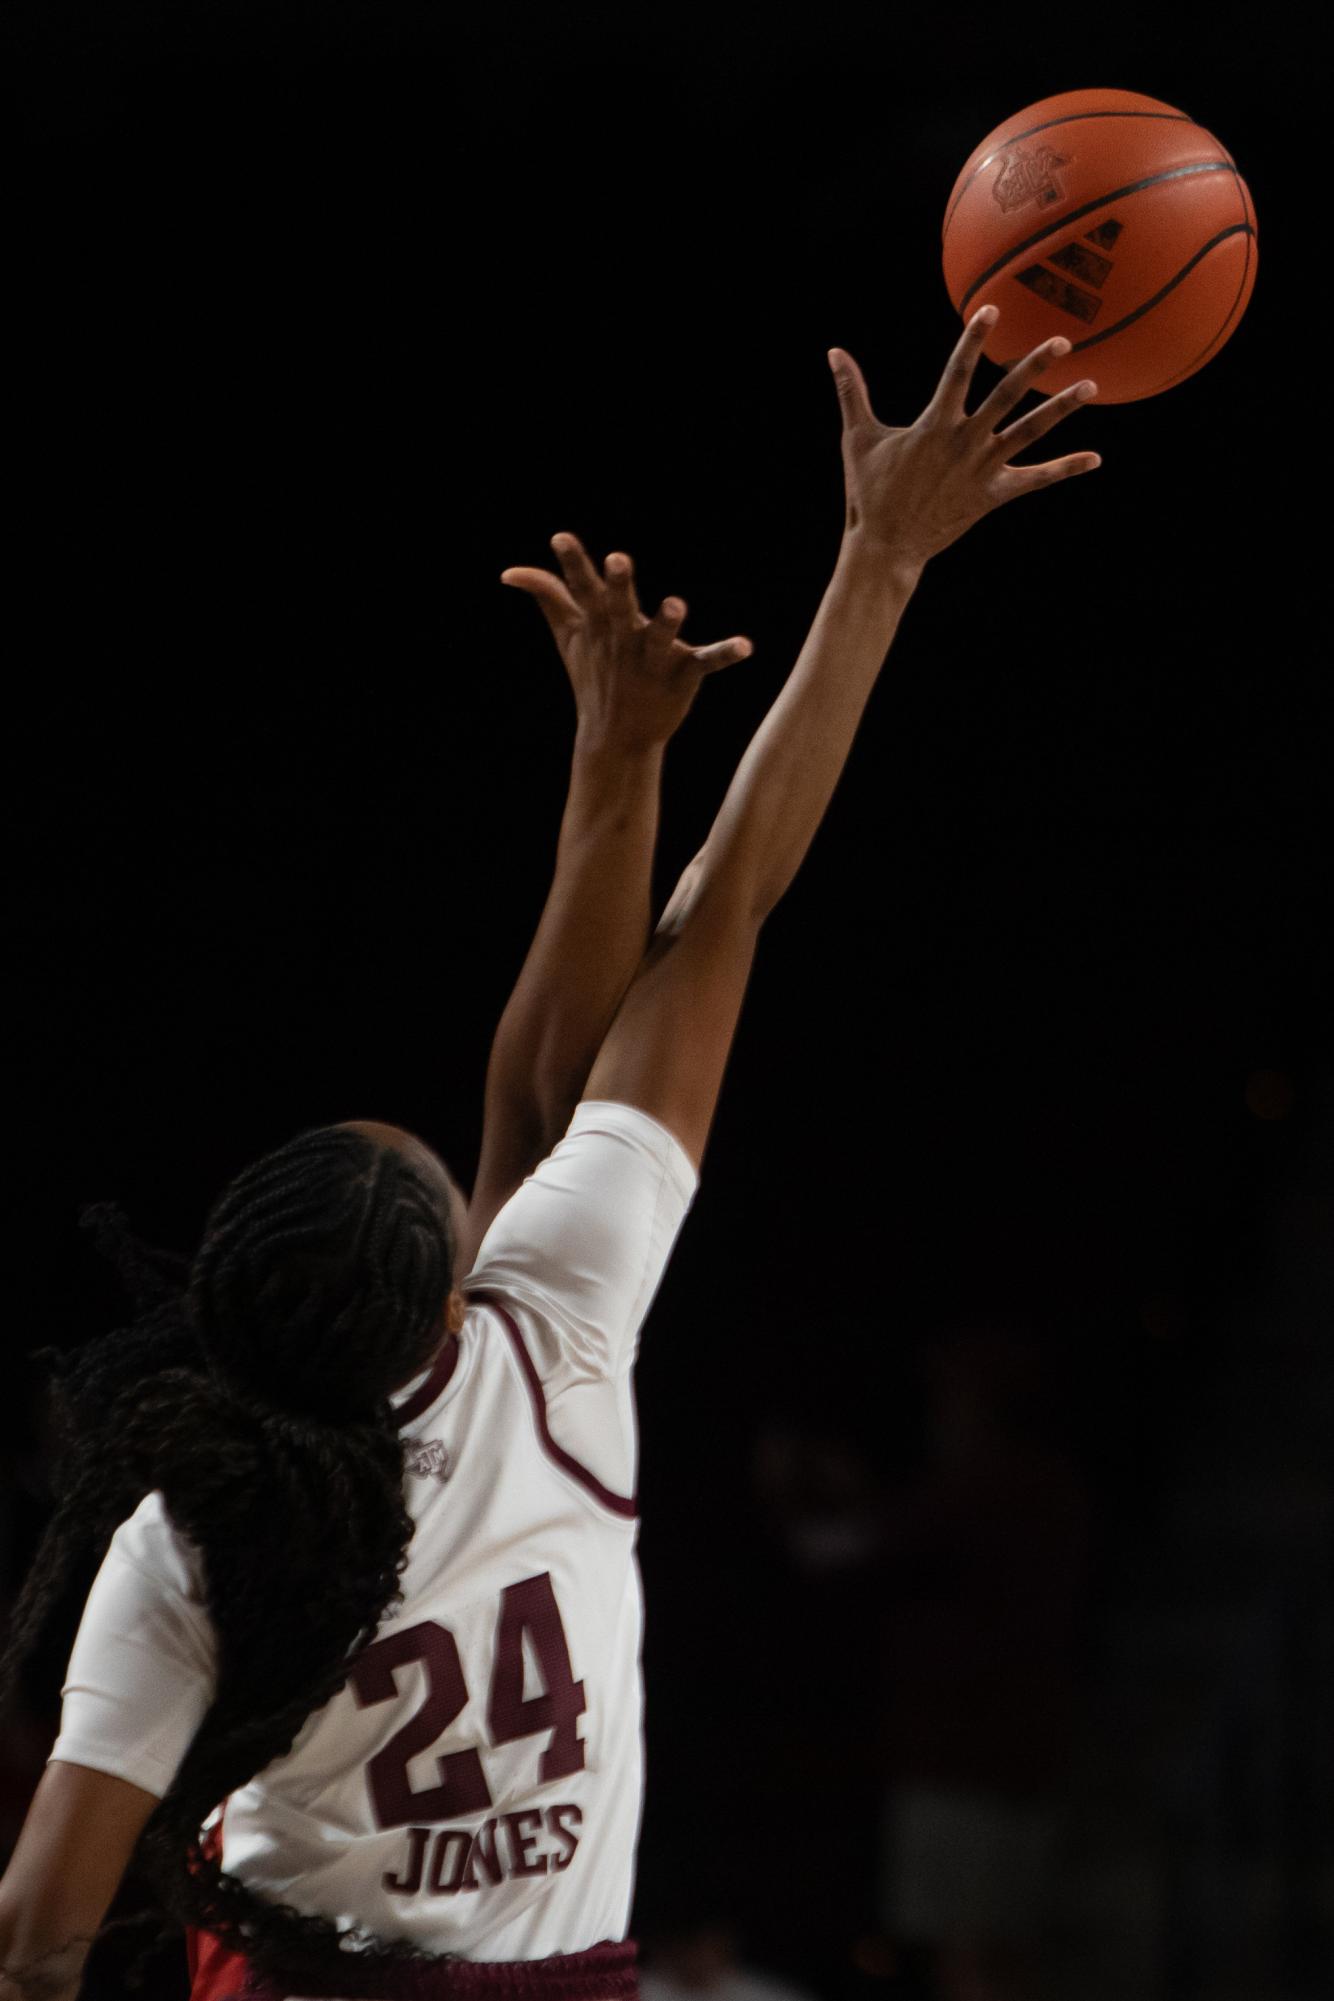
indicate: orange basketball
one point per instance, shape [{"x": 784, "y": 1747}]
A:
[{"x": 1114, "y": 220}]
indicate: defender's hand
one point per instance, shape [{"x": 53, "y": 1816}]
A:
[
  {"x": 633, "y": 677},
  {"x": 914, "y": 491}
]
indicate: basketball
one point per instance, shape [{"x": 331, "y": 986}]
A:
[{"x": 1112, "y": 219}]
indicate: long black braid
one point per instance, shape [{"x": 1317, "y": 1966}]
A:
[{"x": 252, "y": 1389}]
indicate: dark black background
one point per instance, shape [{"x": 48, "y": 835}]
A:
[{"x": 320, "y": 317}]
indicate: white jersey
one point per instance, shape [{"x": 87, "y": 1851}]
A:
[{"x": 475, "y": 1788}]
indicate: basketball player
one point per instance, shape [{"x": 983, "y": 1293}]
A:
[{"x": 378, "y": 1593}]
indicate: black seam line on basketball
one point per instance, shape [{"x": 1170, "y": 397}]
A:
[
  {"x": 1234, "y": 229},
  {"x": 1070, "y": 118},
  {"x": 1076, "y": 215},
  {"x": 1204, "y": 352}
]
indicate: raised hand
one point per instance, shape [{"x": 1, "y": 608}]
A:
[
  {"x": 914, "y": 490},
  {"x": 634, "y": 678}
]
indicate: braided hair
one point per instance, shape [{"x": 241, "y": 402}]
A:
[{"x": 252, "y": 1391}]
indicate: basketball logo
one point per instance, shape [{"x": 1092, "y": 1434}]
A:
[
  {"x": 1076, "y": 261},
  {"x": 1029, "y": 177}
]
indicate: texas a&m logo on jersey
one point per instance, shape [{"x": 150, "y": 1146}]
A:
[
  {"x": 428, "y": 1457},
  {"x": 1029, "y": 177}
]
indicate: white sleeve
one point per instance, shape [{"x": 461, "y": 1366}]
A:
[
  {"x": 584, "y": 1242},
  {"x": 143, "y": 1669}
]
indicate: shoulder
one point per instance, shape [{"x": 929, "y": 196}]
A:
[
  {"x": 594, "y": 1209},
  {"x": 581, "y": 1247},
  {"x": 628, "y": 1127}
]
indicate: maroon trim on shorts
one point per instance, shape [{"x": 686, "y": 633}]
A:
[
  {"x": 605, "y": 1972},
  {"x": 626, "y": 1506},
  {"x": 421, "y": 1399}
]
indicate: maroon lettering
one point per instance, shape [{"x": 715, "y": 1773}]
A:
[
  {"x": 483, "y": 1853},
  {"x": 463, "y": 1860},
  {"x": 531, "y": 1608},
  {"x": 462, "y": 1788},
  {"x": 523, "y": 1841},
  {"x": 528, "y": 1609},
  {"x": 411, "y": 1880},
  {"x": 557, "y": 1816},
  {"x": 449, "y": 1862}
]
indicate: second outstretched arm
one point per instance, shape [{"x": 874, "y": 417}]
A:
[{"x": 633, "y": 680}]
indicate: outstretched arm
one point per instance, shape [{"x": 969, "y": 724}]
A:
[
  {"x": 634, "y": 680},
  {"x": 910, "y": 492}
]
